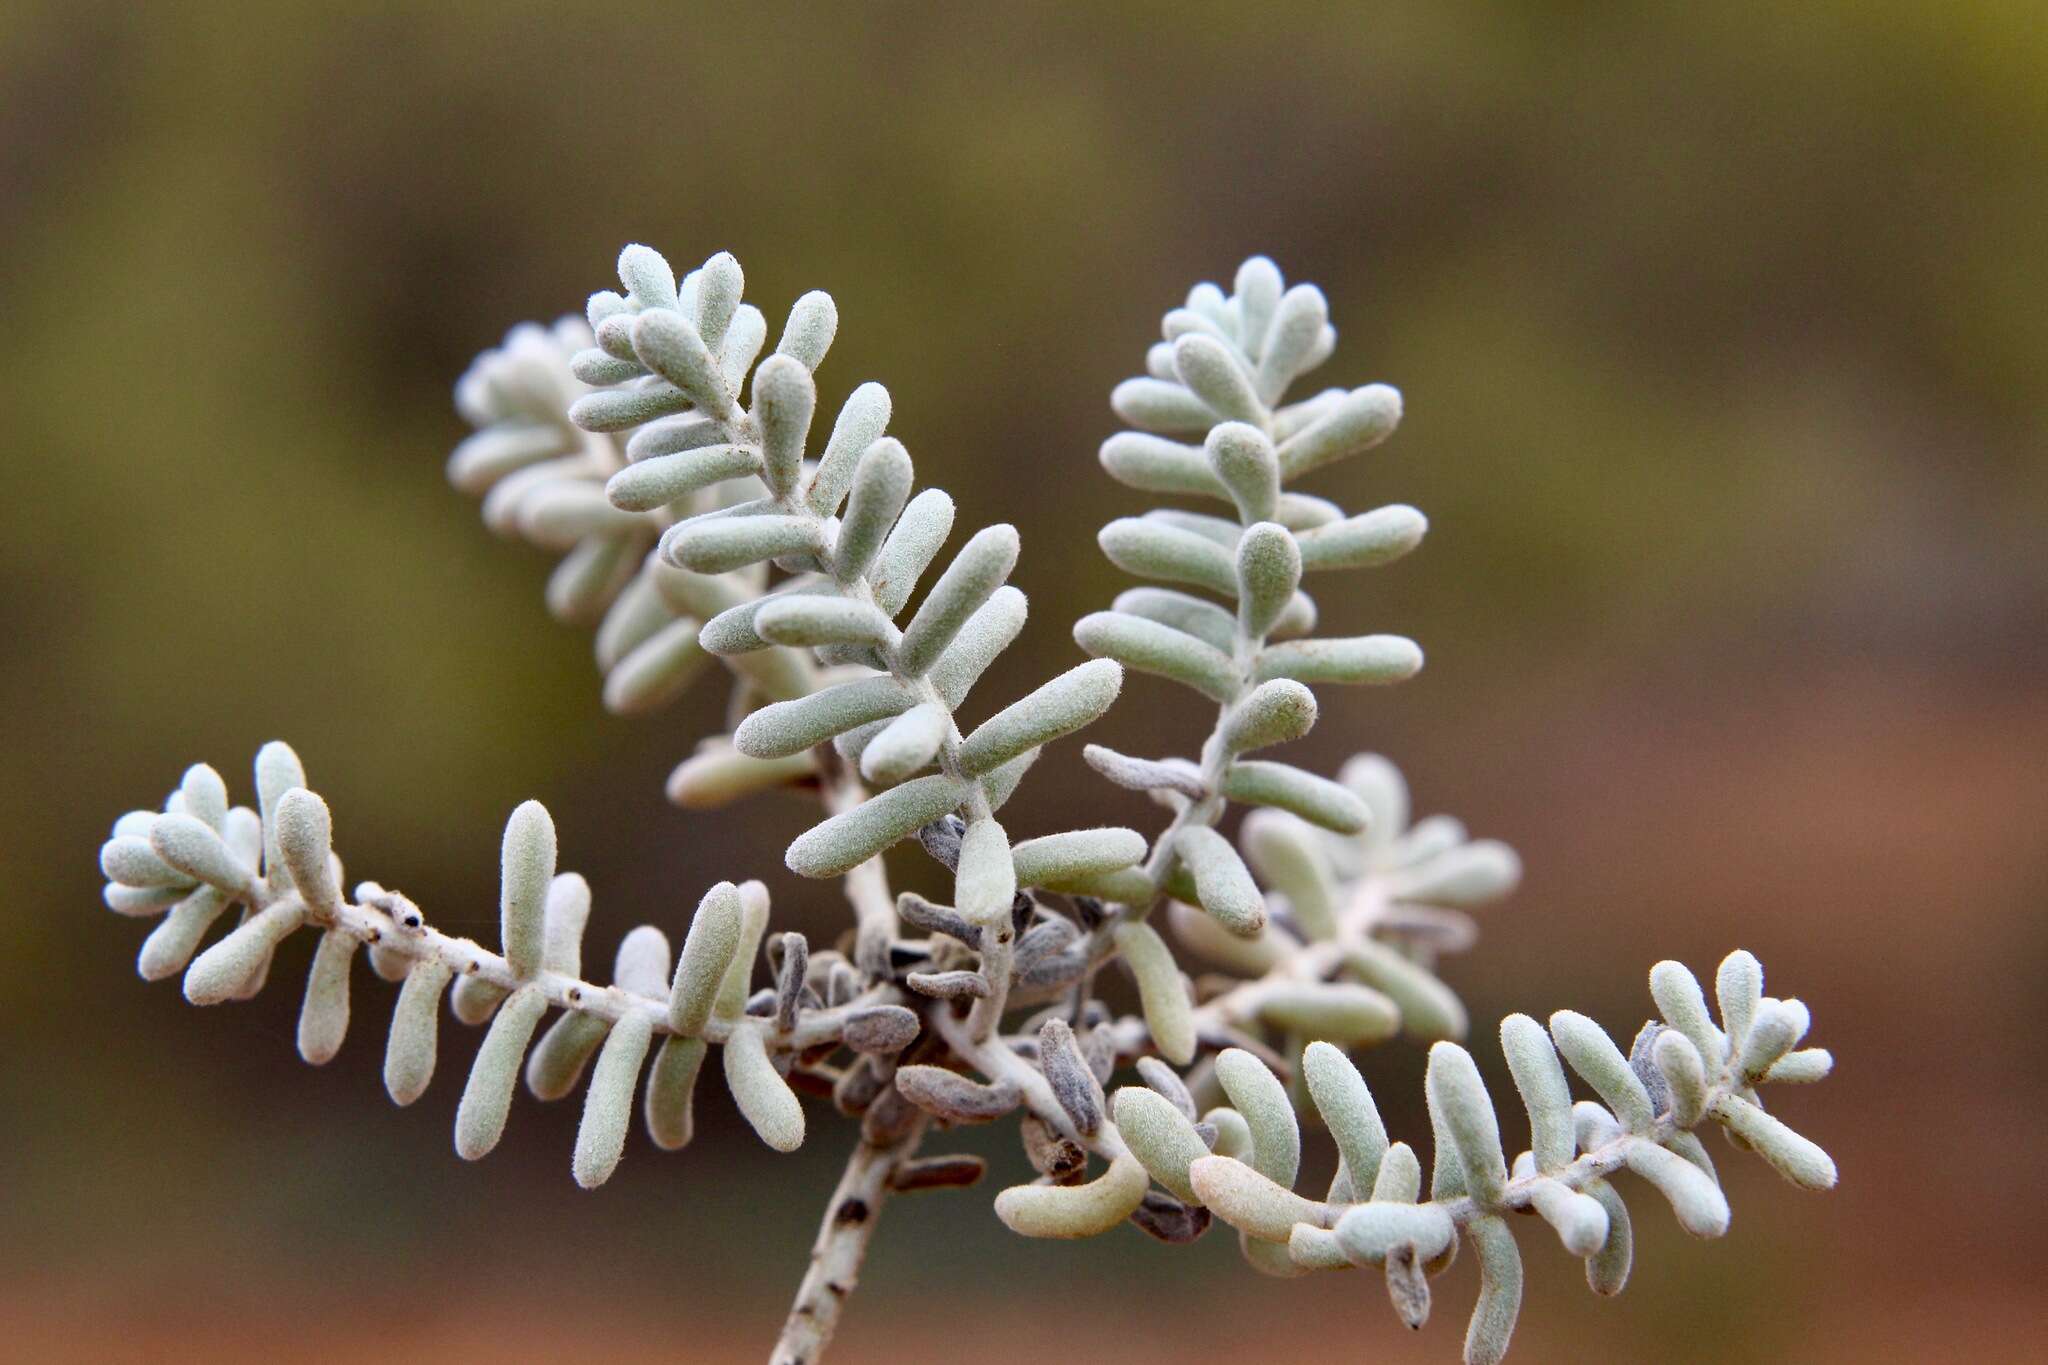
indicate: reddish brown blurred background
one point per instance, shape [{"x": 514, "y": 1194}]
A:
[{"x": 1722, "y": 330}]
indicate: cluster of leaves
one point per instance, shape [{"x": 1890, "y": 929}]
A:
[
  {"x": 199, "y": 856},
  {"x": 1220, "y": 376},
  {"x": 1352, "y": 886},
  {"x": 543, "y": 479},
  {"x": 1679, "y": 1074},
  {"x": 679, "y": 479}
]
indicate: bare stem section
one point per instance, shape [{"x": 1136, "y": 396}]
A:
[{"x": 842, "y": 1244}]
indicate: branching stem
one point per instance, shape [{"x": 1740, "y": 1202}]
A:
[{"x": 998, "y": 1062}]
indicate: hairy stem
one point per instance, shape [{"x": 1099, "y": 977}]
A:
[
  {"x": 867, "y": 886},
  {"x": 1598, "y": 1163},
  {"x": 371, "y": 925},
  {"x": 1208, "y": 810}
]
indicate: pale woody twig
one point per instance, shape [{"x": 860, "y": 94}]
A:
[{"x": 848, "y": 1227}]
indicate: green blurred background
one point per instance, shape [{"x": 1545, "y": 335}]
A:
[{"x": 1722, "y": 330}]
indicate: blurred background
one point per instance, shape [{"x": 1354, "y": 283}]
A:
[{"x": 1722, "y": 330}]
